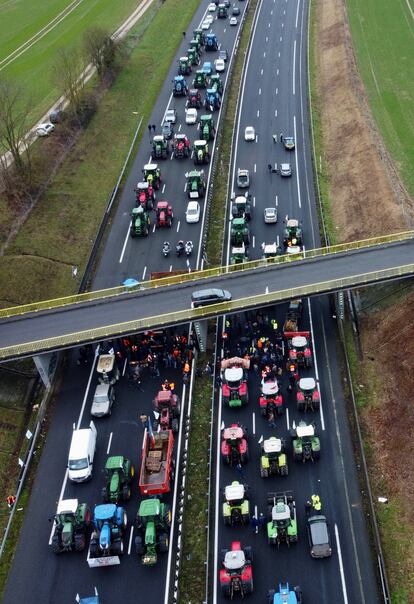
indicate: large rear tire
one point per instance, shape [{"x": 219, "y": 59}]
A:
[
  {"x": 163, "y": 544},
  {"x": 80, "y": 542},
  {"x": 55, "y": 545},
  {"x": 139, "y": 547}
]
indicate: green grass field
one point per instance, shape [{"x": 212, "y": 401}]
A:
[
  {"x": 22, "y": 19},
  {"x": 383, "y": 37}
]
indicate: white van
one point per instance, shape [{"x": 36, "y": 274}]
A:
[{"x": 81, "y": 454}]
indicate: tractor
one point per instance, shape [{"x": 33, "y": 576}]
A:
[
  {"x": 200, "y": 79},
  {"x": 194, "y": 99},
  {"x": 307, "y": 395},
  {"x": 72, "y": 521},
  {"x": 145, "y": 195},
  {"x": 234, "y": 447},
  {"x": 167, "y": 406},
  {"x": 110, "y": 522},
  {"x": 271, "y": 398},
  {"x": 181, "y": 146},
  {"x": 273, "y": 458},
  {"x": 107, "y": 369},
  {"x": 193, "y": 56},
  {"x": 234, "y": 379},
  {"x": 207, "y": 128},
  {"x": 211, "y": 42},
  {"x": 236, "y": 505},
  {"x": 239, "y": 232},
  {"x": 198, "y": 35},
  {"x": 282, "y": 525},
  {"x": 285, "y": 595},
  {"x": 299, "y": 350},
  {"x": 215, "y": 82},
  {"x": 292, "y": 235},
  {"x": 195, "y": 43},
  {"x": 196, "y": 184},
  {"x": 153, "y": 526},
  {"x": 212, "y": 100},
  {"x": 160, "y": 147},
  {"x": 293, "y": 315},
  {"x": 152, "y": 174},
  {"x": 201, "y": 153},
  {"x": 239, "y": 255},
  {"x": 119, "y": 473},
  {"x": 240, "y": 207},
  {"x": 180, "y": 87},
  {"x": 222, "y": 12},
  {"x": 306, "y": 445},
  {"x": 164, "y": 215},
  {"x": 236, "y": 576},
  {"x": 140, "y": 222},
  {"x": 184, "y": 66}
]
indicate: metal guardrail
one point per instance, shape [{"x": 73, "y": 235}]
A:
[
  {"x": 212, "y": 272},
  {"x": 190, "y": 314}
]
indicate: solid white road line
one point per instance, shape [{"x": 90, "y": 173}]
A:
[
  {"x": 125, "y": 243},
  {"x": 341, "y": 566},
  {"x": 315, "y": 359},
  {"x": 294, "y": 68},
  {"x": 109, "y": 443},
  {"x": 296, "y": 159}
]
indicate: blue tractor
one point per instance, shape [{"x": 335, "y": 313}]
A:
[
  {"x": 285, "y": 595},
  {"x": 211, "y": 42},
  {"x": 110, "y": 522},
  {"x": 180, "y": 86},
  {"x": 90, "y": 600},
  {"x": 212, "y": 100}
]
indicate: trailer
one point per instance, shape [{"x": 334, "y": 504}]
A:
[{"x": 157, "y": 474}]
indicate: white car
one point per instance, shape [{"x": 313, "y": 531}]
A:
[
  {"x": 212, "y": 8},
  {"x": 45, "y": 129},
  {"x": 270, "y": 215},
  {"x": 191, "y": 116},
  {"x": 233, "y": 21},
  {"x": 285, "y": 170},
  {"x": 206, "y": 24},
  {"x": 170, "y": 116},
  {"x": 249, "y": 133},
  {"x": 192, "y": 213},
  {"x": 219, "y": 65}
]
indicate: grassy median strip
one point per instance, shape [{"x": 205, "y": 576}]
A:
[{"x": 60, "y": 230}]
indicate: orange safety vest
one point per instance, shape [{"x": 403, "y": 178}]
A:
[{"x": 186, "y": 368}]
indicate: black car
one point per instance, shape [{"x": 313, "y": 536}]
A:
[
  {"x": 204, "y": 297},
  {"x": 223, "y": 54},
  {"x": 318, "y": 533},
  {"x": 235, "y": 11}
]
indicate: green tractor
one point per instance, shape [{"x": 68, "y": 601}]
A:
[
  {"x": 201, "y": 153},
  {"x": 119, "y": 473},
  {"x": 201, "y": 79},
  {"x": 160, "y": 147},
  {"x": 282, "y": 524},
  {"x": 153, "y": 525},
  {"x": 72, "y": 521},
  {"x": 306, "y": 445},
  {"x": 140, "y": 222},
  {"x": 207, "y": 128},
  {"x": 273, "y": 458},
  {"x": 239, "y": 255},
  {"x": 215, "y": 82},
  {"x": 239, "y": 233},
  {"x": 196, "y": 184},
  {"x": 198, "y": 35},
  {"x": 236, "y": 505},
  {"x": 193, "y": 56},
  {"x": 195, "y": 43},
  {"x": 184, "y": 66},
  {"x": 292, "y": 235}
]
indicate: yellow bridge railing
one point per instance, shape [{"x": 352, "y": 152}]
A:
[{"x": 212, "y": 272}]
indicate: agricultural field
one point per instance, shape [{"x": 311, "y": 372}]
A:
[
  {"x": 383, "y": 37},
  {"x": 31, "y": 32}
]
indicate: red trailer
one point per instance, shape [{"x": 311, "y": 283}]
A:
[{"x": 156, "y": 475}]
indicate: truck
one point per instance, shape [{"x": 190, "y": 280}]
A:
[{"x": 157, "y": 471}]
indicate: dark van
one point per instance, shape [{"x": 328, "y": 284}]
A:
[{"x": 210, "y": 296}]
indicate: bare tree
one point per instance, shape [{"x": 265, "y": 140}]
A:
[
  {"x": 100, "y": 50},
  {"x": 14, "y": 150},
  {"x": 68, "y": 76}
]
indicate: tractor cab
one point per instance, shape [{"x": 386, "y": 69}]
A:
[
  {"x": 181, "y": 146},
  {"x": 119, "y": 473},
  {"x": 207, "y": 127},
  {"x": 241, "y": 207},
  {"x": 165, "y": 214},
  {"x": 271, "y": 398},
  {"x": 140, "y": 222},
  {"x": 236, "y": 576},
  {"x": 239, "y": 233},
  {"x": 272, "y": 446},
  {"x": 212, "y": 100},
  {"x": 235, "y": 493},
  {"x": 195, "y": 43},
  {"x": 233, "y": 435},
  {"x": 282, "y": 527},
  {"x": 239, "y": 255},
  {"x": 281, "y": 515},
  {"x": 152, "y": 174},
  {"x": 234, "y": 448},
  {"x": 159, "y": 147},
  {"x": 216, "y": 83},
  {"x": 273, "y": 458},
  {"x": 234, "y": 377},
  {"x": 153, "y": 522},
  {"x": 179, "y": 86},
  {"x": 270, "y": 387},
  {"x": 293, "y": 250},
  {"x": 307, "y": 396},
  {"x": 211, "y": 42},
  {"x": 270, "y": 250},
  {"x": 305, "y": 430},
  {"x": 285, "y": 595},
  {"x": 144, "y": 195},
  {"x": 108, "y": 372},
  {"x": 201, "y": 153},
  {"x": 234, "y": 562},
  {"x": 192, "y": 55},
  {"x": 200, "y": 80},
  {"x": 236, "y": 506},
  {"x": 196, "y": 184},
  {"x": 292, "y": 236},
  {"x": 299, "y": 350},
  {"x": 167, "y": 408},
  {"x": 184, "y": 66},
  {"x": 66, "y": 511},
  {"x": 306, "y": 444},
  {"x": 194, "y": 99},
  {"x": 198, "y": 35}
]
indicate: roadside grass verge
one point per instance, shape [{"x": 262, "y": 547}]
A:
[
  {"x": 382, "y": 35},
  {"x": 33, "y": 69},
  {"x": 61, "y": 228}
]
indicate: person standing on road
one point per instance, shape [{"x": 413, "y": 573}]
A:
[
  {"x": 274, "y": 136},
  {"x": 269, "y": 167},
  {"x": 281, "y": 137}
]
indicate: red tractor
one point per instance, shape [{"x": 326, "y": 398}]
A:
[
  {"x": 234, "y": 379},
  {"x": 271, "y": 398},
  {"x": 299, "y": 349},
  {"x": 168, "y": 406},
  {"x": 234, "y": 447},
  {"x": 181, "y": 146},
  {"x": 165, "y": 214},
  {"x": 236, "y": 576},
  {"x": 194, "y": 99},
  {"x": 145, "y": 195},
  {"x": 307, "y": 395}
]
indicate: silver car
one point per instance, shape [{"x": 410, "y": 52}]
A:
[
  {"x": 318, "y": 533},
  {"x": 285, "y": 170},
  {"x": 103, "y": 399},
  {"x": 243, "y": 179},
  {"x": 270, "y": 215}
]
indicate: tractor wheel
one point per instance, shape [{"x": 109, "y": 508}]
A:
[
  {"x": 132, "y": 233},
  {"x": 309, "y": 363},
  {"x": 163, "y": 543},
  {"x": 301, "y": 406},
  {"x": 297, "y": 456},
  {"x": 248, "y": 586},
  {"x": 126, "y": 492},
  {"x": 280, "y": 410},
  {"x": 150, "y": 205},
  {"x": 155, "y": 425},
  {"x": 298, "y": 593},
  {"x": 271, "y": 596},
  {"x": 118, "y": 547},
  {"x": 174, "y": 425},
  {"x": 146, "y": 232},
  {"x": 226, "y": 401},
  {"x": 284, "y": 470},
  {"x": 226, "y": 459},
  {"x": 316, "y": 455},
  {"x": 264, "y": 473},
  {"x": 94, "y": 550},
  {"x": 105, "y": 496},
  {"x": 55, "y": 545},
  {"x": 316, "y": 405},
  {"x": 248, "y": 552},
  {"x": 245, "y": 519},
  {"x": 80, "y": 542},
  {"x": 227, "y": 520},
  {"x": 225, "y": 589},
  {"x": 139, "y": 548},
  {"x": 263, "y": 411}
]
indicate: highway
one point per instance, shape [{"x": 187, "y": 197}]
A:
[{"x": 37, "y": 575}]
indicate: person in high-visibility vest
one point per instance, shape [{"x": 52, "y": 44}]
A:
[
  {"x": 274, "y": 324},
  {"x": 11, "y": 499},
  {"x": 186, "y": 367},
  {"x": 316, "y": 503}
]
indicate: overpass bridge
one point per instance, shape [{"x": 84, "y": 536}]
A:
[{"x": 67, "y": 322}]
